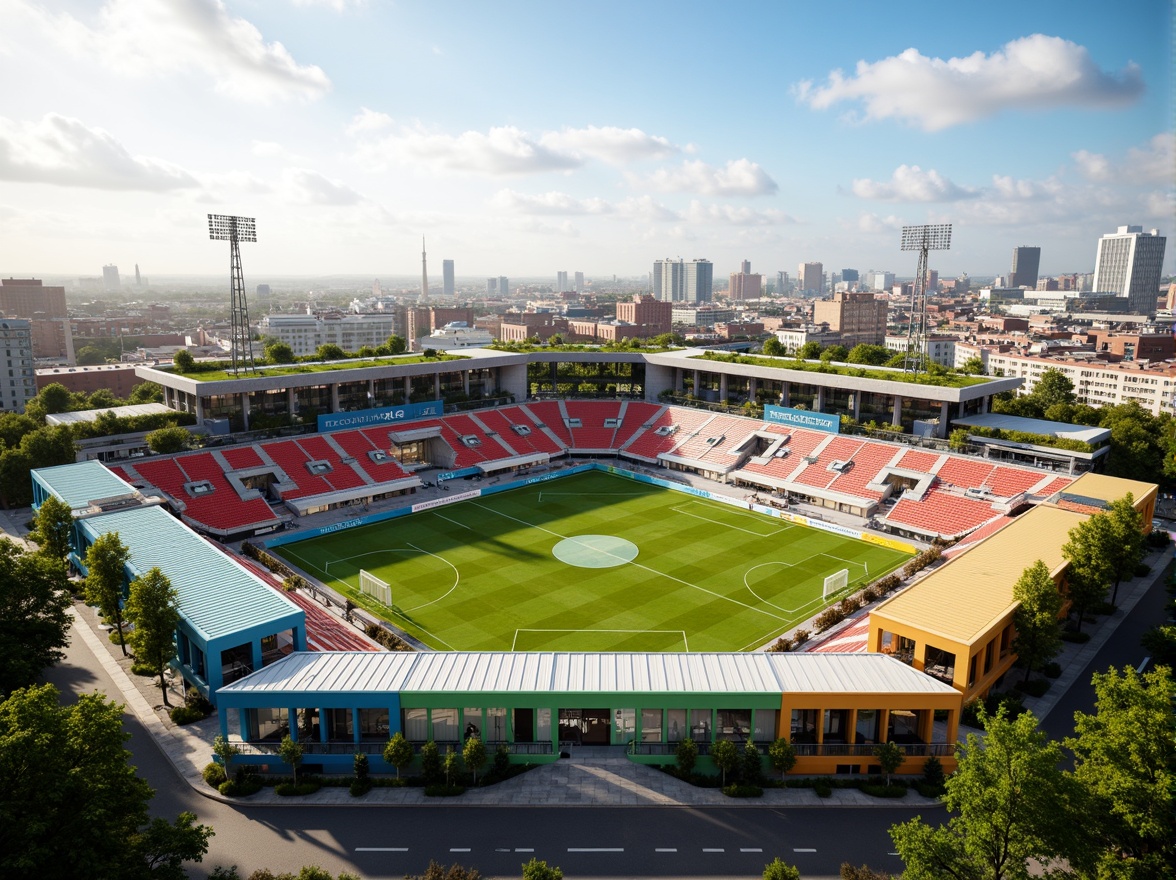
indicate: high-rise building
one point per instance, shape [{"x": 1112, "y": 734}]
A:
[
  {"x": 858, "y": 317},
  {"x": 931, "y": 281},
  {"x": 879, "y": 280},
  {"x": 850, "y": 276},
  {"x": 561, "y": 282},
  {"x": 503, "y": 285},
  {"x": 679, "y": 281},
  {"x": 579, "y": 288},
  {"x": 138, "y": 277},
  {"x": 16, "y": 339},
  {"x": 491, "y": 286},
  {"x": 743, "y": 285},
  {"x": 44, "y": 308},
  {"x": 1129, "y": 264},
  {"x": 810, "y": 279},
  {"x": 650, "y": 317},
  {"x": 1026, "y": 264},
  {"x": 447, "y": 285},
  {"x": 263, "y": 291},
  {"x": 110, "y": 277}
]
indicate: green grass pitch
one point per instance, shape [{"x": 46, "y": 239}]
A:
[{"x": 483, "y": 574}]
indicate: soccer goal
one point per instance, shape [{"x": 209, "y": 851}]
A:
[
  {"x": 370, "y": 585},
  {"x": 835, "y": 583}
]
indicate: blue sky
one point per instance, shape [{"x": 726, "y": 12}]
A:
[{"x": 526, "y": 137}]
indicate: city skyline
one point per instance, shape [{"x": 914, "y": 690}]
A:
[{"x": 351, "y": 129}]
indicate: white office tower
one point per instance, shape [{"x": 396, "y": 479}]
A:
[
  {"x": 810, "y": 279},
  {"x": 579, "y": 282},
  {"x": 561, "y": 282},
  {"x": 503, "y": 285},
  {"x": 679, "y": 281},
  {"x": 1129, "y": 264},
  {"x": 447, "y": 285}
]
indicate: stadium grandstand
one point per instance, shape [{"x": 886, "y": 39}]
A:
[{"x": 257, "y": 487}]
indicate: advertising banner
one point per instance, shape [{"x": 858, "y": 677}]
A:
[
  {"x": 802, "y": 418},
  {"x": 383, "y": 415}
]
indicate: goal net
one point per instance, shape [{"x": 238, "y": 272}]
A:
[
  {"x": 370, "y": 585},
  {"x": 835, "y": 583}
]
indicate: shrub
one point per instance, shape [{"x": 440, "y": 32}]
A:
[
  {"x": 871, "y": 593},
  {"x": 1035, "y": 687},
  {"x": 144, "y": 669},
  {"x": 196, "y": 700},
  {"x": 431, "y": 763},
  {"x": 1158, "y": 539},
  {"x": 1078, "y": 638},
  {"x": 214, "y": 774},
  {"x": 685, "y": 756},
  {"x": 117, "y": 636},
  {"x": 781, "y": 646},
  {"x": 1051, "y": 669},
  {"x": 827, "y": 618},
  {"x": 752, "y": 769},
  {"x": 881, "y": 790},
  {"x": 186, "y": 715},
  {"x": 299, "y": 789},
  {"x": 800, "y": 637},
  {"x": 240, "y": 788},
  {"x": 743, "y": 790},
  {"x": 1142, "y": 569},
  {"x": 888, "y": 584},
  {"x": 849, "y": 605},
  {"x": 933, "y": 783},
  {"x": 501, "y": 760},
  {"x": 360, "y": 787},
  {"x": 386, "y": 637},
  {"x": 823, "y": 787},
  {"x": 444, "y": 790}
]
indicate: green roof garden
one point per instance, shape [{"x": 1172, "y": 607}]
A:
[
  {"x": 218, "y": 373},
  {"x": 937, "y": 376}
]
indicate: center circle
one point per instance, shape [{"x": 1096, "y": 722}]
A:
[{"x": 595, "y": 551}]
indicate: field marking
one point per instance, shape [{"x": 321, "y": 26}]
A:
[
  {"x": 642, "y": 566},
  {"x": 455, "y": 522},
  {"x": 594, "y": 495},
  {"x": 783, "y": 527},
  {"x": 456, "y": 579},
  {"x": 749, "y": 589},
  {"x": 680, "y": 632}
]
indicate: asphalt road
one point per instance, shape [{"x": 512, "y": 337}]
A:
[{"x": 584, "y": 842}]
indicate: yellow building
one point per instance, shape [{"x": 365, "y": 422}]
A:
[{"x": 957, "y": 623}]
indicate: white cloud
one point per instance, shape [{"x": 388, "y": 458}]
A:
[
  {"x": 736, "y": 215},
  {"x": 307, "y": 187},
  {"x": 1031, "y": 73},
  {"x": 1155, "y": 162},
  {"x": 65, "y": 152},
  {"x": 337, "y": 5},
  {"x": 551, "y": 203},
  {"x": 910, "y": 183},
  {"x": 146, "y": 38},
  {"x": 368, "y": 120},
  {"x": 1011, "y": 189},
  {"x": 617, "y": 146},
  {"x": 646, "y": 208},
  {"x": 873, "y": 224},
  {"x": 739, "y": 177},
  {"x": 504, "y": 150}
]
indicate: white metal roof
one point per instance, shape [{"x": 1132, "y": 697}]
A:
[{"x": 491, "y": 672}]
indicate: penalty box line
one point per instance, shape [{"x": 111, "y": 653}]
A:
[
  {"x": 776, "y": 530},
  {"x": 680, "y": 632}
]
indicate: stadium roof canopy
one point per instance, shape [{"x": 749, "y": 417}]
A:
[
  {"x": 1061, "y": 430},
  {"x": 579, "y": 673},
  {"x": 80, "y": 484}
]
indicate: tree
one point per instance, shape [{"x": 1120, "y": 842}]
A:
[
  {"x": 449, "y": 764},
  {"x": 1053, "y": 387},
  {"x": 183, "y": 361},
  {"x": 106, "y": 573},
  {"x": 14, "y": 477},
  {"x": 959, "y": 439},
  {"x": 146, "y": 392},
  {"x": 278, "y": 352},
  {"x": 396, "y": 345},
  {"x": 537, "y": 869},
  {"x": 778, "y": 870},
  {"x": 1012, "y": 804},
  {"x": 398, "y": 752},
  {"x": 34, "y": 628},
  {"x": 685, "y": 756},
  {"x": 1038, "y": 632},
  {"x": 782, "y": 755},
  {"x": 1128, "y": 544},
  {"x": 473, "y": 753},
  {"x": 773, "y": 347},
  {"x": 72, "y": 805},
  {"x": 153, "y": 607},
  {"x": 431, "y": 763},
  {"x": 53, "y": 528},
  {"x": 165, "y": 441},
  {"x": 725, "y": 756},
  {"x": 810, "y": 351},
  {"x": 1139, "y": 441},
  {"x": 226, "y": 751},
  {"x": 752, "y": 769},
  {"x": 1125, "y": 756},
  {"x": 835, "y": 353},
  {"x": 972, "y": 366},
  {"x": 870, "y": 355},
  {"x": 290, "y": 751},
  {"x": 865, "y": 872},
  {"x": 54, "y": 398},
  {"x": 1089, "y": 550},
  {"x": 328, "y": 351},
  {"x": 890, "y": 757},
  {"x": 1160, "y": 642}
]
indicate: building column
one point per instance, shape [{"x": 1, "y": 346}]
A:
[
  {"x": 292, "y": 722},
  {"x": 291, "y": 401},
  {"x": 857, "y": 405},
  {"x": 785, "y": 395},
  {"x": 256, "y": 650},
  {"x": 323, "y": 732},
  {"x": 465, "y": 382},
  {"x": 819, "y": 403},
  {"x": 407, "y": 388},
  {"x": 334, "y": 397},
  {"x": 436, "y": 386},
  {"x": 355, "y": 725},
  {"x": 983, "y": 405},
  {"x": 751, "y": 389},
  {"x": 943, "y": 413},
  {"x": 371, "y": 392},
  {"x": 245, "y": 408},
  {"x": 722, "y": 387},
  {"x": 896, "y": 414}
]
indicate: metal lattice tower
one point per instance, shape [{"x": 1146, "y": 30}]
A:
[
  {"x": 921, "y": 239},
  {"x": 222, "y": 227}
]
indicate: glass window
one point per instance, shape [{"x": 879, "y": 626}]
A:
[
  {"x": 543, "y": 725},
  {"x": 445, "y": 725},
  {"x": 416, "y": 724},
  {"x": 836, "y": 726},
  {"x": 495, "y": 725},
  {"x": 651, "y": 725},
  {"x": 765, "y": 724},
  {"x": 373, "y": 723},
  {"x": 624, "y": 726},
  {"x": 700, "y": 725},
  {"x": 339, "y": 725},
  {"x": 675, "y": 725},
  {"x": 271, "y": 723},
  {"x": 866, "y": 730},
  {"x": 734, "y": 724},
  {"x": 804, "y": 726},
  {"x": 472, "y": 719}
]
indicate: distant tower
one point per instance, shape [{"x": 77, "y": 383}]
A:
[
  {"x": 424, "y": 272},
  {"x": 222, "y": 227},
  {"x": 110, "y": 278},
  {"x": 579, "y": 286},
  {"x": 138, "y": 278},
  {"x": 1026, "y": 262},
  {"x": 447, "y": 286},
  {"x": 503, "y": 285},
  {"x": 1129, "y": 264}
]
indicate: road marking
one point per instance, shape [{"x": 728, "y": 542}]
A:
[
  {"x": 1143, "y": 665},
  {"x": 500, "y": 849},
  {"x": 381, "y": 849},
  {"x": 666, "y": 849},
  {"x": 804, "y": 850},
  {"x": 750, "y": 849},
  {"x": 595, "y": 849},
  {"x": 459, "y": 849},
  {"x": 704, "y": 849},
  {"x": 524, "y": 849}
]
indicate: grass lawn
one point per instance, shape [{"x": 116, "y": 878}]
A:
[{"x": 591, "y": 562}]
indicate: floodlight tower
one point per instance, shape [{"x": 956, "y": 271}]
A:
[
  {"x": 222, "y": 227},
  {"x": 921, "y": 239}
]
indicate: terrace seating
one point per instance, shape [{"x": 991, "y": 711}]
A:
[
  {"x": 942, "y": 513},
  {"x": 1006, "y": 482},
  {"x": 802, "y": 444},
  {"x": 241, "y": 457},
  {"x": 719, "y": 434},
  {"x": 491, "y": 448},
  {"x": 965, "y": 473},
  {"x": 915, "y": 460},
  {"x": 868, "y": 461},
  {"x": 501, "y": 421},
  {"x": 550, "y": 414},
  {"x": 342, "y": 476},
  {"x": 649, "y": 444},
  {"x": 358, "y": 445},
  {"x": 592, "y": 434},
  {"x": 817, "y": 474},
  {"x": 1055, "y": 485},
  {"x": 636, "y": 415},
  {"x": 292, "y": 458},
  {"x": 221, "y": 509}
]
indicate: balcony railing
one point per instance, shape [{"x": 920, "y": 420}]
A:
[
  {"x": 866, "y": 750},
  {"x": 376, "y": 747}
]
